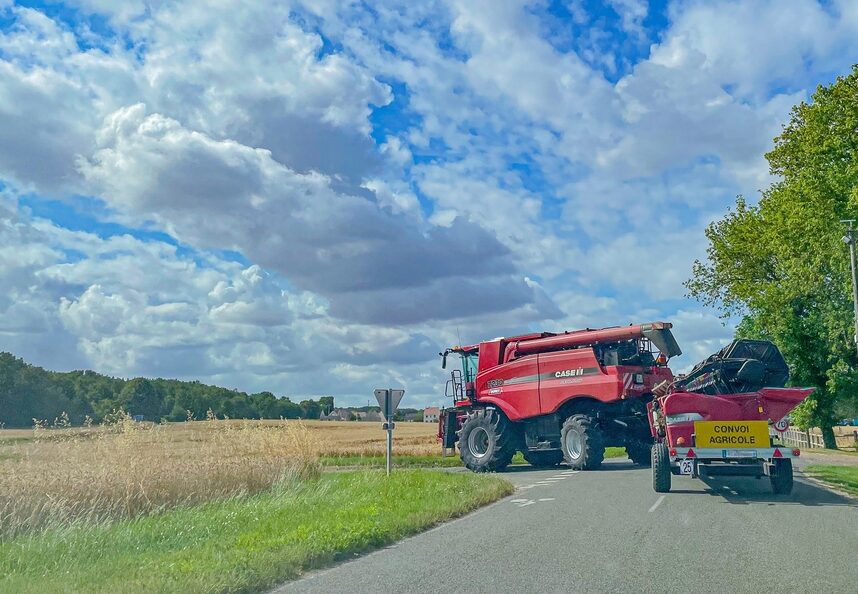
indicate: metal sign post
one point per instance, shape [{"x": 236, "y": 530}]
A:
[{"x": 388, "y": 401}]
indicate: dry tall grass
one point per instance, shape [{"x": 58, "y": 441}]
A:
[{"x": 127, "y": 469}]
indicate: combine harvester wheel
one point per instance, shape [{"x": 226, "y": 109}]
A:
[{"x": 486, "y": 442}]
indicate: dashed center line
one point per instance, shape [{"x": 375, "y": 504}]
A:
[{"x": 657, "y": 503}]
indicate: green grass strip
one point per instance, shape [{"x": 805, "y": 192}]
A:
[
  {"x": 245, "y": 544},
  {"x": 398, "y": 461},
  {"x": 844, "y": 478}
]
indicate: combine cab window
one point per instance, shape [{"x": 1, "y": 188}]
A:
[
  {"x": 637, "y": 353},
  {"x": 469, "y": 366}
]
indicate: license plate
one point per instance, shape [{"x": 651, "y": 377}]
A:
[
  {"x": 686, "y": 466},
  {"x": 740, "y": 453},
  {"x": 737, "y": 434}
]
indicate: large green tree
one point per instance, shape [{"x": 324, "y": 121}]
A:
[{"x": 782, "y": 264}]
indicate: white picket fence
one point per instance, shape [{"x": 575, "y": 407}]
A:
[{"x": 847, "y": 437}]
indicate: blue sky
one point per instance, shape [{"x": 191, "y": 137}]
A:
[{"x": 315, "y": 197}]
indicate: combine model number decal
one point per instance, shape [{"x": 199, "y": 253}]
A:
[{"x": 551, "y": 375}]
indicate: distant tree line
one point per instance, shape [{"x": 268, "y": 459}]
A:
[{"x": 28, "y": 392}]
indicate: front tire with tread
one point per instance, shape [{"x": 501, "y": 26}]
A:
[{"x": 486, "y": 441}]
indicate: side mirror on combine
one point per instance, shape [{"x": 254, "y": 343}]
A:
[{"x": 443, "y": 360}]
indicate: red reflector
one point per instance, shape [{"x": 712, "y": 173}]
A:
[
  {"x": 796, "y": 452},
  {"x": 778, "y": 454},
  {"x": 672, "y": 452},
  {"x": 690, "y": 454}
]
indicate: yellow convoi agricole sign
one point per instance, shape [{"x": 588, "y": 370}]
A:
[{"x": 733, "y": 434}]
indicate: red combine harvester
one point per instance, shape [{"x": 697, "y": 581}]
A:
[
  {"x": 716, "y": 420},
  {"x": 556, "y": 396}
]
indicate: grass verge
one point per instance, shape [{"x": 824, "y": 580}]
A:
[
  {"x": 844, "y": 478},
  {"x": 827, "y": 452},
  {"x": 244, "y": 544},
  {"x": 426, "y": 461},
  {"x": 398, "y": 461}
]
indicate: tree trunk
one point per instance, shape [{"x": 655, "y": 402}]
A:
[{"x": 828, "y": 438}]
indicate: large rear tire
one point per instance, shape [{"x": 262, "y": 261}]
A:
[
  {"x": 639, "y": 452},
  {"x": 781, "y": 478},
  {"x": 486, "y": 441},
  {"x": 582, "y": 443},
  {"x": 660, "y": 468},
  {"x": 547, "y": 459}
]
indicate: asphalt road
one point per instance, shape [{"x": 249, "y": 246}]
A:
[{"x": 607, "y": 531}]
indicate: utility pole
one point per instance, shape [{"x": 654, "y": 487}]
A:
[{"x": 849, "y": 239}]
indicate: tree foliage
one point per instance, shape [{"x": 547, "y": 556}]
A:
[
  {"x": 782, "y": 264},
  {"x": 28, "y": 392}
]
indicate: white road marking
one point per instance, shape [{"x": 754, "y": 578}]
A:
[
  {"x": 526, "y": 502},
  {"x": 657, "y": 503}
]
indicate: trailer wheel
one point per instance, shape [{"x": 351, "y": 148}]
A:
[
  {"x": 486, "y": 441},
  {"x": 781, "y": 477},
  {"x": 582, "y": 444},
  {"x": 546, "y": 459},
  {"x": 660, "y": 468},
  {"x": 639, "y": 452}
]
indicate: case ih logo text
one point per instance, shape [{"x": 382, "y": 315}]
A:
[{"x": 569, "y": 372}]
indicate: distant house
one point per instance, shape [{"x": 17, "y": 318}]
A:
[
  {"x": 338, "y": 414},
  {"x": 430, "y": 414},
  {"x": 368, "y": 416}
]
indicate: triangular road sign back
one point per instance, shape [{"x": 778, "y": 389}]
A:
[
  {"x": 381, "y": 395},
  {"x": 395, "y": 399}
]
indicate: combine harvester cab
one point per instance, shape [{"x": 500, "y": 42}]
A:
[{"x": 717, "y": 419}]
